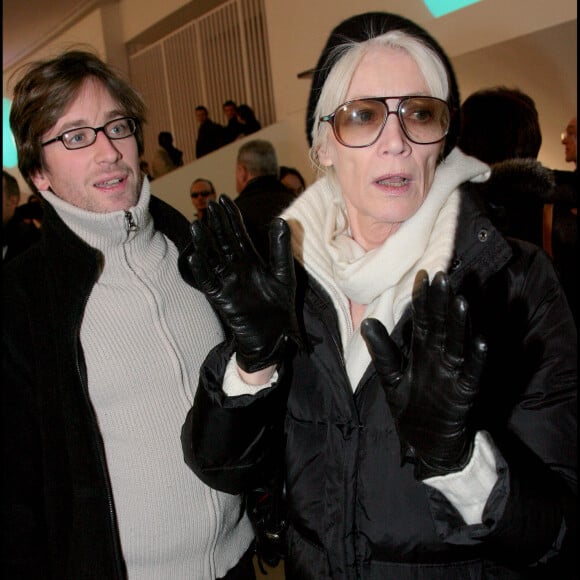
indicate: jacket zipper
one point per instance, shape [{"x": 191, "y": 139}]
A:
[{"x": 130, "y": 224}]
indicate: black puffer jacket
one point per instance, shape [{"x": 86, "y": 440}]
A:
[
  {"x": 355, "y": 512},
  {"x": 515, "y": 195}
]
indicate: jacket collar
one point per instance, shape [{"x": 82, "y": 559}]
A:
[{"x": 480, "y": 248}]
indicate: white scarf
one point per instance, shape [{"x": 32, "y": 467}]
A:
[{"x": 381, "y": 278}]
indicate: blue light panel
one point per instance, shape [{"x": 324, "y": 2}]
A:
[
  {"x": 9, "y": 157},
  {"x": 441, "y": 7}
]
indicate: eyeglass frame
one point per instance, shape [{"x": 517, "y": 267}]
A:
[
  {"x": 95, "y": 133},
  {"x": 204, "y": 193},
  {"x": 330, "y": 118}
]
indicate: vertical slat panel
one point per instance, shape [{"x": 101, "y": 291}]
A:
[
  {"x": 185, "y": 87},
  {"x": 220, "y": 55},
  {"x": 267, "y": 91},
  {"x": 207, "y": 55},
  {"x": 146, "y": 70},
  {"x": 258, "y": 60},
  {"x": 235, "y": 67}
]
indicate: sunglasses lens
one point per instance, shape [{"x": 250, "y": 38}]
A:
[
  {"x": 425, "y": 120},
  {"x": 359, "y": 123}
]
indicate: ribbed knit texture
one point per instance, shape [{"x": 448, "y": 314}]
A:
[{"x": 144, "y": 335}]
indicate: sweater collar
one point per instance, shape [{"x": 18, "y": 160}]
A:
[{"x": 104, "y": 231}]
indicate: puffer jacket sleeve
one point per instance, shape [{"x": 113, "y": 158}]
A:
[
  {"x": 234, "y": 444},
  {"x": 529, "y": 407}
]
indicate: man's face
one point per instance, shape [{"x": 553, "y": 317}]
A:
[
  {"x": 229, "y": 111},
  {"x": 201, "y": 194},
  {"x": 201, "y": 116},
  {"x": 103, "y": 177},
  {"x": 569, "y": 141}
]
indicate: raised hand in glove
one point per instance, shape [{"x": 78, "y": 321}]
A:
[
  {"x": 257, "y": 301},
  {"x": 432, "y": 393}
]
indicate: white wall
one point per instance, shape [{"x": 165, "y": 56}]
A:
[
  {"x": 139, "y": 15},
  {"x": 542, "y": 64},
  {"x": 288, "y": 138},
  {"x": 299, "y": 28},
  {"x": 530, "y": 44},
  {"x": 87, "y": 32}
]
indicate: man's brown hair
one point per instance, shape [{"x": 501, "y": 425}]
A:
[{"x": 44, "y": 91}]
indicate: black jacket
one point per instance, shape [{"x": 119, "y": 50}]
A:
[
  {"x": 210, "y": 136},
  {"x": 18, "y": 236},
  {"x": 515, "y": 195},
  {"x": 233, "y": 130},
  {"x": 58, "y": 516},
  {"x": 354, "y": 511},
  {"x": 565, "y": 234},
  {"x": 263, "y": 199}
]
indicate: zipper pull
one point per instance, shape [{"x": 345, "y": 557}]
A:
[{"x": 130, "y": 222}]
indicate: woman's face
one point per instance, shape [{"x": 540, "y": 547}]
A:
[{"x": 385, "y": 183}]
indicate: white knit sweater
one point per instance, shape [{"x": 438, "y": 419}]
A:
[{"x": 144, "y": 334}]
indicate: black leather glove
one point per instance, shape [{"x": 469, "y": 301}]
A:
[
  {"x": 255, "y": 300},
  {"x": 432, "y": 393}
]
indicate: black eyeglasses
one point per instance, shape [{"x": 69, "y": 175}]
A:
[
  {"x": 196, "y": 194},
  {"x": 359, "y": 123},
  {"x": 85, "y": 136}
]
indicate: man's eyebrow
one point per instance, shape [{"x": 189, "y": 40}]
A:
[
  {"x": 78, "y": 123},
  {"x": 70, "y": 125},
  {"x": 116, "y": 114}
]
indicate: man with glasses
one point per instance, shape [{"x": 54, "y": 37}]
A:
[
  {"x": 102, "y": 343},
  {"x": 202, "y": 191}
]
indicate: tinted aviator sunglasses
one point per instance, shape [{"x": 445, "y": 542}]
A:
[
  {"x": 196, "y": 194},
  {"x": 360, "y": 122}
]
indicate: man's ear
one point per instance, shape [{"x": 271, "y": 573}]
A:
[
  {"x": 242, "y": 173},
  {"x": 40, "y": 180}
]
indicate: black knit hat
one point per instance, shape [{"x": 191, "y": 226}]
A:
[{"x": 369, "y": 25}]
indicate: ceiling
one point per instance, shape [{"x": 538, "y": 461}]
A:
[{"x": 27, "y": 24}]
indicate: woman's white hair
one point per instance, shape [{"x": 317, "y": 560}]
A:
[{"x": 344, "y": 60}]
